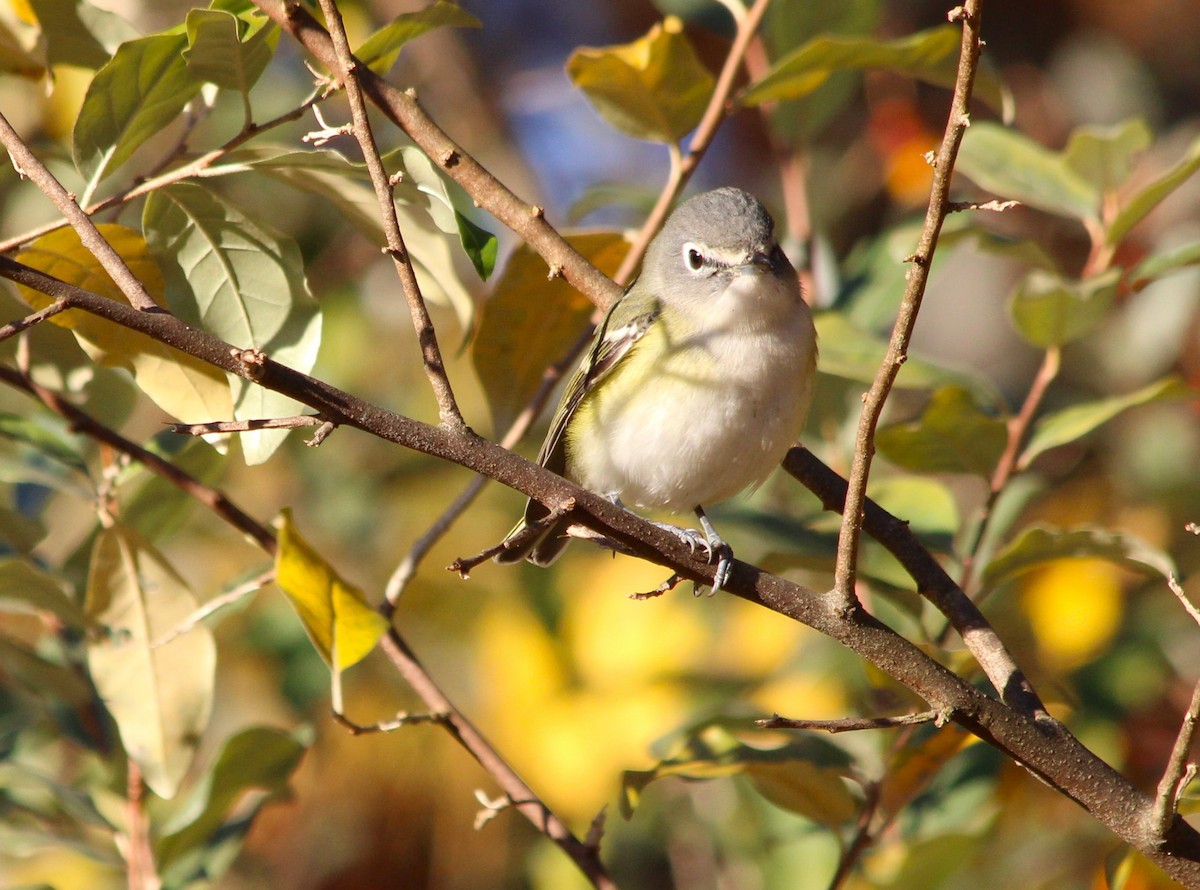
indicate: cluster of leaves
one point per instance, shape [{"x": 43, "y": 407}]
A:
[{"x": 117, "y": 664}]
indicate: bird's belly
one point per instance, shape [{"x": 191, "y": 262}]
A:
[{"x": 684, "y": 439}]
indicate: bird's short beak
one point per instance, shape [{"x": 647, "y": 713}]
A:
[{"x": 757, "y": 264}]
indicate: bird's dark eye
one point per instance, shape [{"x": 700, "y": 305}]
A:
[{"x": 693, "y": 258}]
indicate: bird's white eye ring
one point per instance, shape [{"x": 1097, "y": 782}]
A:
[{"x": 692, "y": 257}]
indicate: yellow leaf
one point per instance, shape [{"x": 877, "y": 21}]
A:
[
  {"x": 1074, "y": 608},
  {"x": 186, "y": 388},
  {"x": 530, "y": 321},
  {"x": 654, "y": 88},
  {"x": 342, "y": 627}
]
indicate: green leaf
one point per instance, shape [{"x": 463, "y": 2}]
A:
[
  {"x": 1049, "y": 310},
  {"x": 156, "y": 508},
  {"x": 480, "y": 244},
  {"x": 1163, "y": 263},
  {"x": 1075, "y": 422},
  {"x": 160, "y": 697},
  {"x": 531, "y": 320},
  {"x": 931, "y": 56},
  {"x": 380, "y": 51},
  {"x": 926, "y": 505},
  {"x": 184, "y": 387},
  {"x": 952, "y": 436},
  {"x": 46, "y": 437},
  {"x": 1103, "y": 156},
  {"x": 342, "y": 627},
  {"x": 654, "y": 88},
  {"x": 259, "y": 758},
  {"x": 816, "y": 792},
  {"x": 78, "y": 33},
  {"x": 854, "y": 354},
  {"x": 1041, "y": 544},
  {"x": 228, "y": 51},
  {"x": 428, "y": 205},
  {"x": 24, "y": 584},
  {"x": 1150, "y": 196},
  {"x": 133, "y": 96},
  {"x": 1013, "y": 166},
  {"x": 804, "y": 776},
  {"x": 243, "y": 281}
]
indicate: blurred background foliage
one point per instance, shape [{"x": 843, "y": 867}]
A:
[{"x": 646, "y": 708}]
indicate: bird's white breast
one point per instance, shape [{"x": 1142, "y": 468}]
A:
[{"x": 716, "y": 411}]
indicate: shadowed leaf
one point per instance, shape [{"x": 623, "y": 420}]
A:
[
  {"x": 380, "y": 51},
  {"x": 952, "y": 436},
  {"x": 1050, "y": 310},
  {"x": 160, "y": 697}
]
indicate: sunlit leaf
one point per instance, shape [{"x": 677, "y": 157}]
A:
[
  {"x": 256, "y": 759},
  {"x": 952, "y": 436},
  {"x": 380, "y": 51},
  {"x": 654, "y": 88},
  {"x": 24, "y": 584},
  {"x": 133, "y": 96},
  {"x": 531, "y": 319},
  {"x": 1038, "y": 545},
  {"x": 243, "y": 281},
  {"x": 931, "y": 56},
  {"x": 1050, "y": 310},
  {"x": 927, "y": 506},
  {"x": 426, "y": 202},
  {"x": 160, "y": 697},
  {"x": 1077, "y": 421},
  {"x": 184, "y": 387},
  {"x": 1103, "y": 156},
  {"x": 1135, "y": 209},
  {"x": 78, "y": 33},
  {"x": 1074, "y": 607},
  {"x": 1013, "y": 166},
  {"x": 228, "y": 51},
  {"x": 342, "y": 627}
]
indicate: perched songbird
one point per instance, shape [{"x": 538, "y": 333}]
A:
[{"x": 697, "y": 381}]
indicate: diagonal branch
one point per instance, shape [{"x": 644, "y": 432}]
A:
[
  {"x": 28, "y": 164},
  {"x": 349, "y": 71}
]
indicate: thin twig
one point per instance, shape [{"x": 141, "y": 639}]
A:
[
  {"x": 31, "y": 166},
  {"x": 245, "y": 426},
  {"x": 1178, "y": 772},
  {"x": 855, "y": 724},
  {"x": 214, "y": 605},
  {"x": 846, "y": 568},
  {"x": 404, "y": 718},
  {"x": 714, "y": 114},
  {"x": 349, "y": 69},
  {"x": 198, "y": 168},
  {"x": 34, "y": 318}
]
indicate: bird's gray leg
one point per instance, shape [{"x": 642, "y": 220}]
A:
[{"x": 716, "y": 547}]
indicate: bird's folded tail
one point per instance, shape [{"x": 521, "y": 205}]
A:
[{"x": 540, "y": 549}]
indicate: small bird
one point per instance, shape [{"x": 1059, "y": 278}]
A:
[{"x": 696, "y": 383}]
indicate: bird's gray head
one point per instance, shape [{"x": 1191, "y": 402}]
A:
[{"x": 709, "y": 240}]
